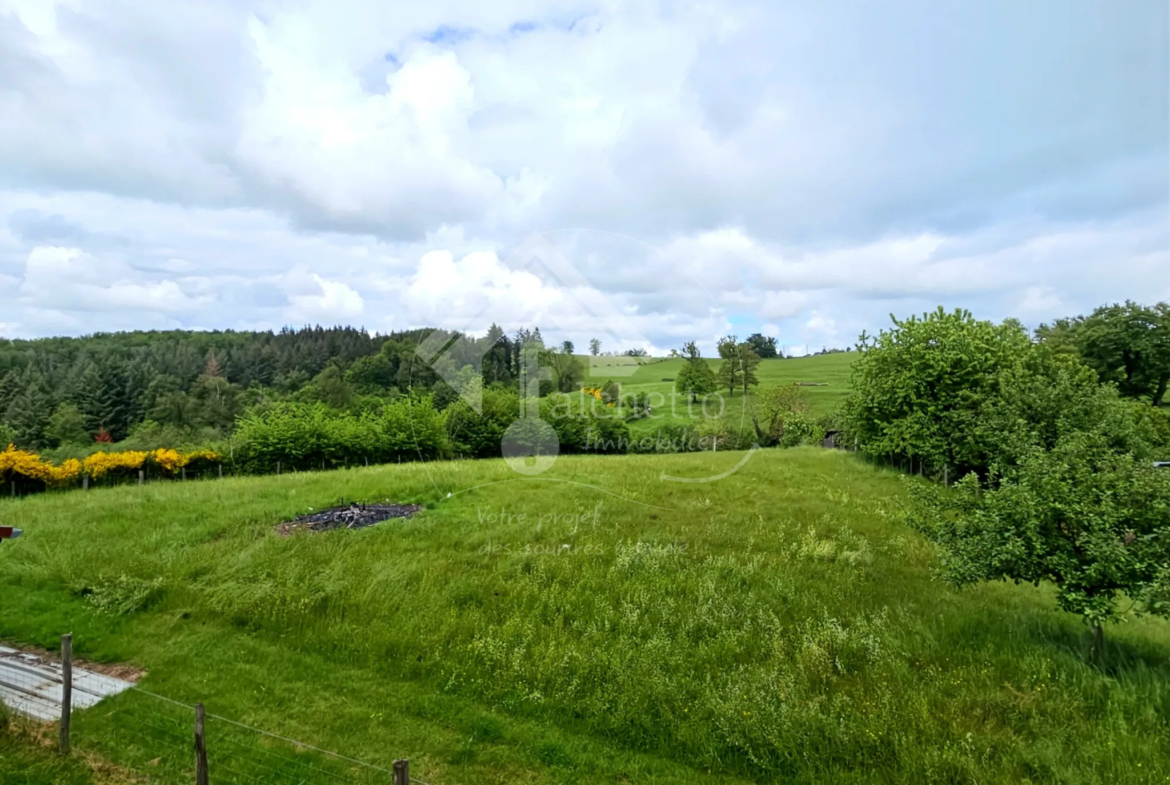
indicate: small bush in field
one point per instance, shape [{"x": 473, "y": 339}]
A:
[{"x": 122, "y": 595}]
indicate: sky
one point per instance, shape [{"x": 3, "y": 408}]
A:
[{"x": 644, "y": 172}]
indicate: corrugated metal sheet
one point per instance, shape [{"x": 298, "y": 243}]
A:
[{"x": 32, "y": 686}]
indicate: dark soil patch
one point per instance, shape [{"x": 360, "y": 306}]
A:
[{"x": 353, "y": 516}]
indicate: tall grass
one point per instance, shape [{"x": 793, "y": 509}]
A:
[{"x": 779, "y": 625}]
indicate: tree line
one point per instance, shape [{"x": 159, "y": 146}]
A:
[{"x": 165, "y": 388}]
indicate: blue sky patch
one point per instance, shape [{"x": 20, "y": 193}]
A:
[{"x": 447, "y": 35}]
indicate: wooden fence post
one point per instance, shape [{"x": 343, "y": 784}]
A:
[
  {"x": 183, "y": 472},
  {"x": 401, "y": 772},
  {"x": 221, "y": 471},
  {"x": 66, "y": 690},
  {"x": 141, "y": 476},
  {"x": 85, "y": 482},
  {"x": 200, "y": 746}
]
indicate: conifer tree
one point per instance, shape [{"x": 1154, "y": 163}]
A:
[
  {"x": 29, "y": 412},
  {"x": 101, "y": 400}
]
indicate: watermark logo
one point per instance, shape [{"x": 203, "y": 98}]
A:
[
  {"x": 530, "y": 445},
  {"x": 692, "y": 420}
]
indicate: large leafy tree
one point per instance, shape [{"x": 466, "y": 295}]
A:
[
  {"x": 1128, "y": 345},
  {"x": 920, "y": 388},
  {"x": 567, "y": 371},
  {"x": 748, "y": 362},
  {"x": 67, "y": 426},
  {"x": 372, "y": 375},
  {"x": 782, "y": 416},
  {"x": 696, "y": 377},
  {"x": 1046, "y": 396},
  {"x": 730, "y": 373},
  {"x": 763, "y": 345}
]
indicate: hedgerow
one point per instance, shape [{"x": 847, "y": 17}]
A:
[{"x": 303, "y": 437}]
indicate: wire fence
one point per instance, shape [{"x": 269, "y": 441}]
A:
[{"x": 149, "y": 737}]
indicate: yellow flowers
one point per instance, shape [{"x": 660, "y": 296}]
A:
[
  {"x": 596, "y": 393},
  {"x": 102, "y": 463},
  {"x": 16, "y": 464}
]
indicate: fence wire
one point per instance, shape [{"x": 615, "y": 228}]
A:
[{"x": 151, "y": 737}]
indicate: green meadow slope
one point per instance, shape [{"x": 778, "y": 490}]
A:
[
  {"x": 824, "y": 378},
  {"x": 595, "y": 624}
]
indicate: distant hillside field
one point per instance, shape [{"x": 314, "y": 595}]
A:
[
  {"x": 824, "y": 378},
  {"x": 600, "y": 623}
]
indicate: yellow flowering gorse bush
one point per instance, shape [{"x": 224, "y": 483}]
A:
[
  {"x": 16, "y": 464},
  {"x": 596, "y": 393}
]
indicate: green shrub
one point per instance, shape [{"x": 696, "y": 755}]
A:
[
  {"x": 479, "y": 434},
  {"x": 304, "y": 437},
  {"x": 667, "y": 438}
]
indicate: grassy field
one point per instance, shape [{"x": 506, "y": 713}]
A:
[
  {"x": 24, "y": 761},
  {"x": 593, "y": 625},
  {"x": 825, "y": 379}
]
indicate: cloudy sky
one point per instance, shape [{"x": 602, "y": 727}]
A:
[{"x": 688, "y": 168}]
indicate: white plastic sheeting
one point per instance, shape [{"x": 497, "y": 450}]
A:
[{"x": 32, "y": 686}]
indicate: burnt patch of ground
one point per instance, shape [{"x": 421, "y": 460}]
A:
[{"x": 352, "y": 516}]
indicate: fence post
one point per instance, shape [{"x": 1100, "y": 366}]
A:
[
  {"x": 66, "y": 690},
  {"x": 401, "y": 772},
  {"x": 85, "y": 482},
  {"x": 141, "y": 476},
  {"x": 183, "y": 471},
  {"x": 200, "y": 747},
  {"x": 221, "y": 471}
]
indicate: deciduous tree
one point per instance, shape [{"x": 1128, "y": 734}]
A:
[
  {"x": 1093, "y": 522},
  {"x": 763, "y": 345},
  {"x": 1128, "y": 345},
  {"x": 696, "y": 377},
  {"x": 920, "y": 388},
  {"x": 67, "y": 426},
  {"x": 748, "y": 362},
  {"x": 729, "y": 370}
]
